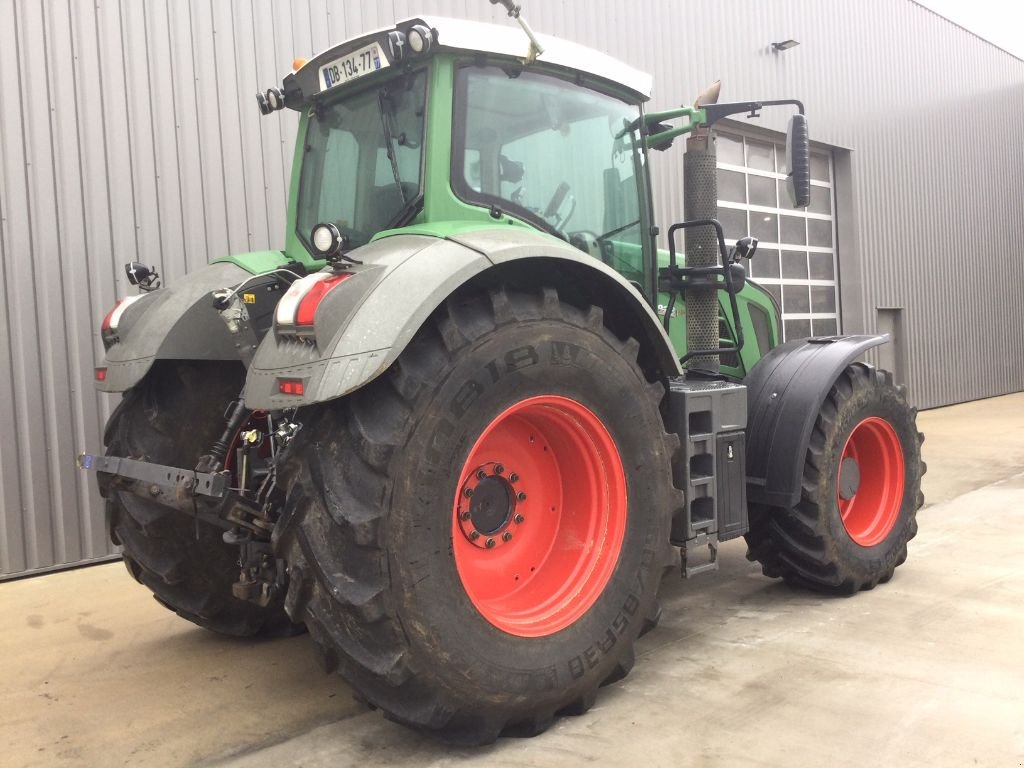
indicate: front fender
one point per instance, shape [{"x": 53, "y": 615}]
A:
[
  {"x": 178, "y": 322},
  {"x": 785, "y": 391},
  {"x": 366, "y": 322}
]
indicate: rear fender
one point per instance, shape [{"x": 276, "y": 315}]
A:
[
  {"x": 785, "y": 391},
  {"x": 174, "y": 323},
  {"x": 365, "y": 323}
]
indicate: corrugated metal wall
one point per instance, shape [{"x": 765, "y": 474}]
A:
[{"x": 128, "y": 130}]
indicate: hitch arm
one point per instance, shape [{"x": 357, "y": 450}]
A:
[
  {"x": 179, "y": 489},
  {"x": 179, "y": 480}
]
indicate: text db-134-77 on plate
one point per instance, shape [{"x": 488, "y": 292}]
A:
[{"x": 365, "y": 61}]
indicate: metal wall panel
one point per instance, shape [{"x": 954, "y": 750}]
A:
[{"x": 128, "y": 129}]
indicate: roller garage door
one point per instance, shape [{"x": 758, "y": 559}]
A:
[{"x": 796, "y": 258}]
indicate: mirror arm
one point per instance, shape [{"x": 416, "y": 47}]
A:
[
  {"x": 716, "y": 112},
  {"x": 698, "y": 117},
  {"x": 653, "y": 130}
]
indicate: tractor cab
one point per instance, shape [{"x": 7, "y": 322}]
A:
[
  {"x": 562, "y": 158},
  {"x": 447, "y": 123}
]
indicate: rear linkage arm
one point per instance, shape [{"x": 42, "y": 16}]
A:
[
  {"x": 205, "y": 493},
  {"x": 202, "y": 495}
]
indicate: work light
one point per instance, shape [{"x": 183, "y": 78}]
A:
[
  {"x": 327, "y": 240},
  {"x": 420, "y": 39}
]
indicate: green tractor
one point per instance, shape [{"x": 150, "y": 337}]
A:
[{"x": 463, "y": 423}]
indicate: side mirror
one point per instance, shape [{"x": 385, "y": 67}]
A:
[
  {"x": 798, "y": 162},
  {"x": 664, "y": 144}
]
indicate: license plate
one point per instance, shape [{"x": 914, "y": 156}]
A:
[{"x": 365, "y": 61}]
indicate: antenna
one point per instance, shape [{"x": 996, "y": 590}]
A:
[{"x": 515, "y": 11}]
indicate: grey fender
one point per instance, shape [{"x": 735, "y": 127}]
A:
[
  {"x": 785, "y": 391},
  {"x": 175, "y": 323},
  {"x": 365, "y": 323}
]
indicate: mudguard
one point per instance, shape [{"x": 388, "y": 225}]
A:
[
  {"x": 785, "y": 391},
  {"x": 365, "y": 323},
  {"x": 177, "y": 322}
]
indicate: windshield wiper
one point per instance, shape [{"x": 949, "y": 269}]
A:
[
  {"x": 617, "y": 230},
  {"x": 389, "y": 137}
]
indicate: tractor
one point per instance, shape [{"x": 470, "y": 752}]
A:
[{"x": 464, "y": 422}]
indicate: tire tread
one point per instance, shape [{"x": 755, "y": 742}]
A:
[
  {"x": 793, "y": 543},
  {"x": 339, "y": 501}
]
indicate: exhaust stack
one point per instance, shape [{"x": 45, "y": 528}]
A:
[{"x": 700, "y": 201}]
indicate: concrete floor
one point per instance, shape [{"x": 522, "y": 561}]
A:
[{"x": 927, "y": 670}]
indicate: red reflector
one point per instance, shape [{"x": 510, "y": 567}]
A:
[
  {"x": 101, "y": 374},
  {"x": 306, "y": 312},
  {"x": 291, "y": 387}
]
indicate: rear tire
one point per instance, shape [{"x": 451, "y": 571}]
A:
[
  {"x": 383, "y": 563},
  {"x": 860, "y": 492},
  {"x": 173, "y": 417}
]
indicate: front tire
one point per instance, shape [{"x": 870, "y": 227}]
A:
[
  {"x": 860, "y": 492},
  {"x": 458, "y": 617}
]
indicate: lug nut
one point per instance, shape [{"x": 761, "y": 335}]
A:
[
  {"x": 498, "y": 469},
  {"x": 465, "y": 515},
  {"x": 507, "y": 536},
  {"x": 519, "y": 518},
  {"x": 474, "y": 535},
  {"x": 491, "y": 543},
  {"x": 481, "y": 475},
  {"x": 468, "y": 492},
  {"x": 513, "y": 477},
  {"x": 521, "y": 496}
]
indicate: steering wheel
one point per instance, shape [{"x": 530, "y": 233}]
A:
[{"x": 555, "y": 205}]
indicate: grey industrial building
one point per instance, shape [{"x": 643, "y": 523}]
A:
[{"x": 128, "y": 130}]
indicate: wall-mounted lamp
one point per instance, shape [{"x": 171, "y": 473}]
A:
[{"x": 785, "y": 45}]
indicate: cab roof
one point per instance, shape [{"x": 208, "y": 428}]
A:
[
  {"x": 509, "y": 40},
  {"x": 506, "y": 40}
]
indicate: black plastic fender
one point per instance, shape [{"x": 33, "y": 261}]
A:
[{"x": 785, "y": 391}]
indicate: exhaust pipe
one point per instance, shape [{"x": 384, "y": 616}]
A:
[{"x": 700, "y": 201}]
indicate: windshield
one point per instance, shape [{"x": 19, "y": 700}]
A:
[
  {"x": 555, "y": 154},
  {"x": 363, "y": 162}
]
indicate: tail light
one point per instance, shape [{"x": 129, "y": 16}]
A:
[
  {"x": 113, "y": 318},
  {"x": 297, "y": 308}
]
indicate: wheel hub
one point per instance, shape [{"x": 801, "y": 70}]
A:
[
  {"x": 487, "y": 506},
  {"x": 491, "y": 505},
  {"x": 869, "y": 488},
  {"x": 547, "y": 461}
]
